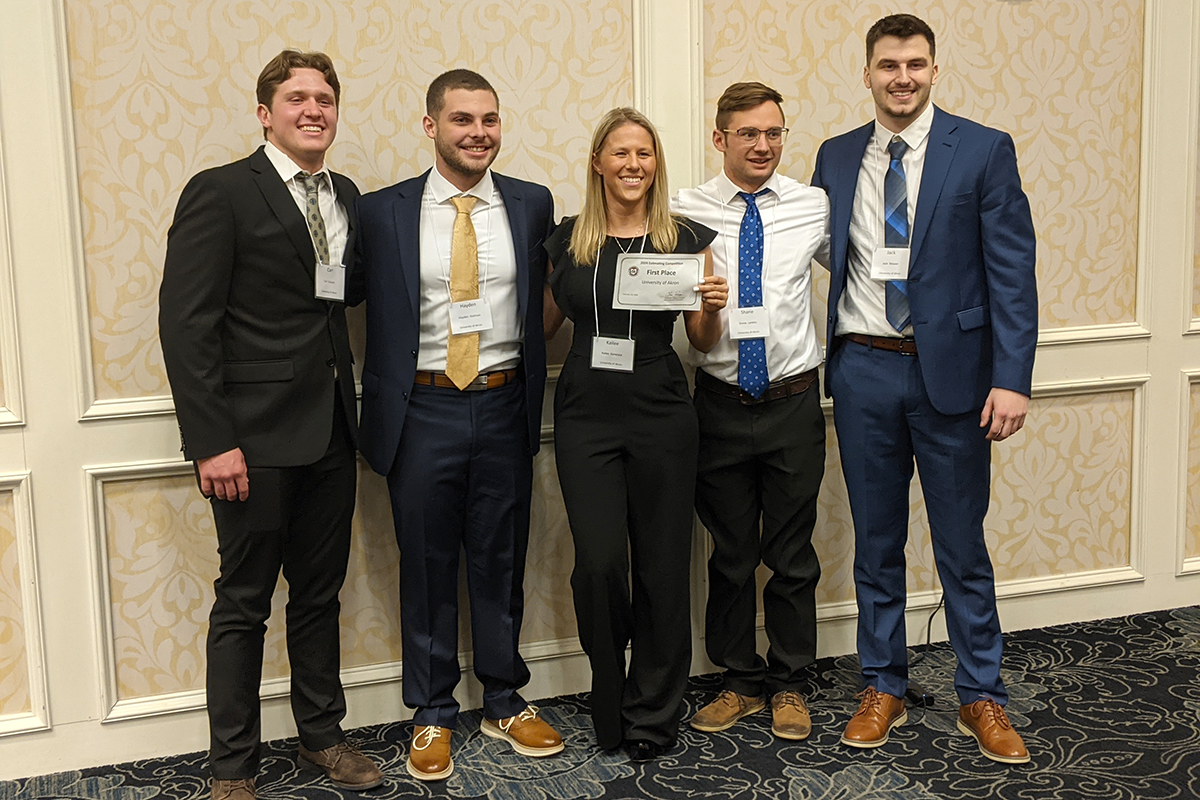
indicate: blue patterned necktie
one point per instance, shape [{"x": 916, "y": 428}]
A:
[
  {"x": 895, "y": 231},
  {"x": 752, "y": 353}
]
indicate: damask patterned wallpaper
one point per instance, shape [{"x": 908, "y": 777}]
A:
[
  {"x": 1061, "y": 499},
  {"x": 162, "y": 561},
  {"x": 14, "y": 663},
  {"x": 162, "y": 90},
  {"x": 1062, "y": 76}
]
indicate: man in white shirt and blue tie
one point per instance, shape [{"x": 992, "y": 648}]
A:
[{"x": 762, "y": 430}]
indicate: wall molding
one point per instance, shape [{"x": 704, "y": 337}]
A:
[
  {"x": 1191, "y": 323},
  {"x": 10, "y": 351},
  {"x": 114, "y": 708},
  {"x": 1185, "y": 564},
  {"x": 38, "y": 716},
  {"x": 1117, "y": 331}
]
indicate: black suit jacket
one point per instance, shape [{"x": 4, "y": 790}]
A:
[
  {"x": 387, "y": 274},
  {"x": 250, "y": 352}
]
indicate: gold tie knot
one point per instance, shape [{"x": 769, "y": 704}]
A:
[{"x": 464, "y": 203}]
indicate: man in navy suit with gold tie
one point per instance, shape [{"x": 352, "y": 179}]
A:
[
  {"x": 452, "y": 268},
  {"x": 932, "y": 331}
]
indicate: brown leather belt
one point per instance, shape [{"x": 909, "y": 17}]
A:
[
  {"x": 796, "y": 384},
  {"x": 486, "y": 380},
  {"x": 905, "y": 347}
]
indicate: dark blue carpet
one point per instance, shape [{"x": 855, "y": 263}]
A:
[{"x": 1110, "y": 710}]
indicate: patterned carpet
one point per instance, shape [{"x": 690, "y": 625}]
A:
[{"x": 1109, "y": 710}]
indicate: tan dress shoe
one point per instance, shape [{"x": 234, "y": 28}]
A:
[
  {"x": 789, "y": 716},
  {"x": 345, "y": 767},
  {"x": 242, "y": 789},
  {"x": 986, "y": 721},
  {"x": 429, "y": 753},
  {"x": 529, "y": 734},
  {"x": 877, "y": 714},
  {"x": 727, "y": 709}
]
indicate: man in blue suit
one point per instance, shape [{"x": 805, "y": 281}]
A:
[
  {"x": 932, "y": 331},
  {"x": 452, "y": 268}
]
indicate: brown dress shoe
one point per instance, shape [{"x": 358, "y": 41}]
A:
[
  {"x": 789, "y": 716},
  {"x": 727, "y": 709},
  {"x": 345, "y": 767},
  {"x": 242, "y": 789},
  {"x": 429, "y": 753},
  {"x": 877, "y": 714},
  {"x": 986, "y": 721},
  {"x": 529, "y": 734}
]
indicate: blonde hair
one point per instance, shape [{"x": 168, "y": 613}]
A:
[{"x": 592, "y": 224}]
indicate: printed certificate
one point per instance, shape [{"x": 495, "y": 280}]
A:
[{"x": 658, "y": 282}]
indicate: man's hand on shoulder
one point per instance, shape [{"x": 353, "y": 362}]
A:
[
  {"x": 1005, "y": 412},
  {"x": 224, "y": 475}
]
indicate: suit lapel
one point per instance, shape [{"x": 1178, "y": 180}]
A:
[
  {"x": 514, "y": 206},
  {"x": 283, "y": 206},
  {"x": 939, "y": 154},
  {"x": 406, "y": 219},
  {"x": 845, "y": 184}
]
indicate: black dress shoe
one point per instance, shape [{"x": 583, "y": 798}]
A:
[{"x": 641, "y": 750}]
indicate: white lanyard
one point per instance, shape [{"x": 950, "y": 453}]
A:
[{"x": 596, "y": 273}]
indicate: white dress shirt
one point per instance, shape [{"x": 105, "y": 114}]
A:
[
  {"x": 337, "y": 223},
  {"x": 795, "y": 220},
  {"x": 500, "y": 347},
  {"x": 861, "y": 308}
]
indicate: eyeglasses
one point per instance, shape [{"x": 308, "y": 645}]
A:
[{"x": 750, "y": 135}]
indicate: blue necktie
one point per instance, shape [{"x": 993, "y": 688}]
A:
[
  {"x": 752, "y": 353},
  {"x": 895, "y": 231}
]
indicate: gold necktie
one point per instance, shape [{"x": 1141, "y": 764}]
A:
[{"x": 462, "y": 349}]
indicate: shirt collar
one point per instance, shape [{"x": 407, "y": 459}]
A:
[
  {"x": 442, "y": 189},
  {"x": 728, "y": 190},
  {"x": 287, "y": 168},
  {"x": 914, "y": 135}
]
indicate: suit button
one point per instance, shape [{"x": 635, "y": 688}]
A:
[
  {"x": 330, "y": 363},
  {"x": 405, "y": 395},
  {"x": 414, "y": 353}
]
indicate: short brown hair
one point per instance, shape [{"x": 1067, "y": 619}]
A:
[
  {"x": 741, "y": 96},
  {"x": 902, "y": 26},
  {"x": 435, "y": 98},
  {"x": 280, "y": 68}
]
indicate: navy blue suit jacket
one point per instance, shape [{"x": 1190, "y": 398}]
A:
[
  {"x": 387, "y": 274},
  {"x": 972, "y": 285}
]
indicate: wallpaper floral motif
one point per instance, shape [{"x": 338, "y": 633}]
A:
[
  {"x": 162, "y": 561},
  {"x": 1060, "y": 504},
  {"x": 162, "y": 90},
  {"x": 1062, "y": 76},
  {"x": 14, "y": 663}
]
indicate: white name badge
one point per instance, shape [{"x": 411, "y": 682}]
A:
[
  {"x": 749, "y": 323},
  {"x": 331, "y": 282},
  {"x": 612, "y": 353},
  {"x": 889, "y": 264},
  {"x": 470, "y": 316}
]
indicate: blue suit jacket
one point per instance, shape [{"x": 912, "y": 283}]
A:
[
  {"x": 387, "y": 274},
  {"x": 972, "y": 286}
]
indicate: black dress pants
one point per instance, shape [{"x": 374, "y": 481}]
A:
[
  {"x": 297, "y": 519},
  {"x": 760, "y": 468},
  {"x": 625, "y": 448}
]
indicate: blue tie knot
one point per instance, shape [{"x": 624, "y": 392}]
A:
[
  {"x": 897, "y": 148},
  {"x": 750, "y": 198}
]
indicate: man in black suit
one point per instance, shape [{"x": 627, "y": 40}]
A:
[
  {"x": 452, "y": 267},
  {"x": 254, "y": 340}
]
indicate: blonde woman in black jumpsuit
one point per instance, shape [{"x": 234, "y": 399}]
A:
[{"x": 626, "y": 442}]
